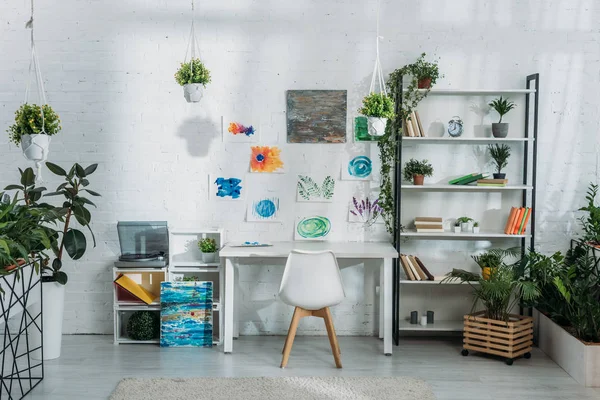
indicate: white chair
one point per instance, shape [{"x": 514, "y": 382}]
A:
[{"x": 312, "y": 283}]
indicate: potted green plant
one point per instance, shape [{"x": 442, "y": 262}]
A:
[
  {"x": 475, "y": 227},
  {"x": 500, "y": 153},
  {"x": 456, "y": 226},
  {"x": 502, "y": 107},
  {"x": 490, "y": 261},
  {"x": 416, "y": 171},
  {"x": 32, "y": 129},
  {"x": 499, "y": 295},
  {"x": 426, "y": 73},
  {"x": 464, "y": 223},
  {"x": 378, "y": 108},
  {"x": 193, "y": 75},
  {"x": 208, "y": 247}
]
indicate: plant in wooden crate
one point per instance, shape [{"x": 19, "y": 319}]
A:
[{"x": 494, "y": 330}]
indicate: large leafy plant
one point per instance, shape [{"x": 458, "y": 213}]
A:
[
  {"x": 502, "y": 106},
  {"x": 192, "y": 71},
  {"x": 377, "y": 105},
  {"x": 591, "y": 222},
  {"x": 29, "y": 121}
]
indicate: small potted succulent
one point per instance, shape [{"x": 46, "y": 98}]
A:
[
  {"x": 475, "y": 227},
  {"x": 416, "y": 171},
  {"x": 208, "y": 247},
  {"x": 502, "y": 107},
  {"x": 378, "y": 108},
  {"x": 192, "y": 75},
  {"x": 500, "y": 154},
  {"x": 456, "y": 226},
  {"x": 427, "y": 73},
  {"x": 32, "y": 130},
  {"x": 464, "y": 223}
]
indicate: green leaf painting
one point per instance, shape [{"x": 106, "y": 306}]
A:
[{"x": 309, "y": 190}]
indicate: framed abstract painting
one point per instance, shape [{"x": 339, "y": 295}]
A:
[{"x": 316, "y": 116}]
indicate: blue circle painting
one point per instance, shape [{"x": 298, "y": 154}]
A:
[
  {"x": 360, "y": 167},
  {"x": 265, "y": 208}
]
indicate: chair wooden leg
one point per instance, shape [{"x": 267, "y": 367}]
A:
[
  {"x": 287, "y": 338},
  {"x": 298, "y": 314},
  {"x": 335, "y": 347}
]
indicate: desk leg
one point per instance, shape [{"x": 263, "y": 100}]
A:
[
  {"x": 236, "y": 303},
  {"x": 229, "y": 306},
  {"x": 381, "y": 305},
  {"x": 387, "y": 306}
]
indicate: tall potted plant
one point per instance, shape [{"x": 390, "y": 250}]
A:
[
  {"x": 502, "y": 107},
  {"x": 193, "y": 75},
  {"x": 416, "y": 171},
  {"x": 32, "y": 129},
  {"x": 500, "y": 153},
  {"x": 510, "y": 334},
  {"x": 378, "y": 108}
]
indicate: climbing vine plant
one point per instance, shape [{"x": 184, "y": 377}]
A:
[{"x": 389, "y": 142}]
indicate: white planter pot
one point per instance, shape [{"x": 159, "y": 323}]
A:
[
  {"x": 35, "y": 147},
  {"x": 464, "y": 226},
  {"x": 579, "y": 360},
  {"x": 208, "y": 257},
  {"x": 53, "y": 298},
  {"x": 376, "y": 126},
  {"x": 193, "y": 92},
  {"x": 475, "y": 229},
  {"x": 456, "y": 229}
]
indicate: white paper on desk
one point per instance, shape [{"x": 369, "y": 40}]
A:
[{"x": 250, "y": 244}]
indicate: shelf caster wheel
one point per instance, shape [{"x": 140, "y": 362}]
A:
[
  {"x": 509, "y": 361},
  {"x": 464, "y": 352},
  {"x": 388, "y": 354},
  {"x": 527, "y": 356}
]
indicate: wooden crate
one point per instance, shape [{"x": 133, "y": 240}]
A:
[{"x": 510, "y": 339}]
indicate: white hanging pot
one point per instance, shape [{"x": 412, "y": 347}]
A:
[
  {"x": 35, "y": 147},
  {"x": 376, "y": 126},
  {"x": 53, "y": 300},
  {"x": 193, "y": 92}
]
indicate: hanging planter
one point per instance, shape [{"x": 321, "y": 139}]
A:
[{"x": 192, "y": 74}]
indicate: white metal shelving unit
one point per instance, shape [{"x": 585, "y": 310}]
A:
[{"x": 526, "y": 188}]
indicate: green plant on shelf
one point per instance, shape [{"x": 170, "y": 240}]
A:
[
  {"x": 207, "y": 245},
  {"x": 500, "y": 153},
  {"x": 414, "y": 167},
  {"x": 502, "y": 106},
  {"x": 377, "y": 105},
  {"x": 464, "y": 220},
  {"x": 475, "y": 224}
]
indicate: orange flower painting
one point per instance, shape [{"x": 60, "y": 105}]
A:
[{"x": 266, "y": 159}]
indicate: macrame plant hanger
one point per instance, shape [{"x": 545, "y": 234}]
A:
[
  {"x": 377, "y": 74},
  {"x": 192, "y": 48},
  {"x": 34, "y": 67}
]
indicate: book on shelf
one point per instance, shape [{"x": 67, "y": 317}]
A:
[
  {"x": 134, "y": 289},
  {"x": 409, "y": 129},
  {"x": 420, "y": 124},
  {"x": 511, "y": 219},
  {"x": 405, "y": 268},
  {"x": 438, "y": 220},
  {"x": 420, "y": 273},
  {"x": 424, "y": 269},
  {"x": 430, "y": 230},
  {"x": 409, "y": 272},
  {"x": 527, "y": 216},
  {"x": 517, "y": 221},
  {"x": 515, "y": 227},
  {"x": 491, "y": 184},
  {"x": 464, "y": 180},
  {"x": 493, "y": 181},
  {"x": 415, "y": 126}
]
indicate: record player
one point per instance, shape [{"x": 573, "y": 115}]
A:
[{"x": 144, "y": 244}]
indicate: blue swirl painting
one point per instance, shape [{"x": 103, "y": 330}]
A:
[
  {"x": 263, "y": 209},
  {"x": 360, "y": 167},
  {"x": 186, "y": 314},
  {"x": 228, "y": 187}
]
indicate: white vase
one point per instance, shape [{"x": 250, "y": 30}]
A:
[
  {"x": 53, "y": 303},
  {"x": 475, "y": 229},
  {"x": 35, "y": 147},
  {"x": 376, "y": 126},
  {"x": 464, "y": 226},
  {"x": 193, "y": 92},
  {"x": 208, "y": 257},
  {"x": 456, "y": 229}
]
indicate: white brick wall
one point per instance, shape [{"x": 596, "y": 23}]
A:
[{"x": 109, "y": 69}]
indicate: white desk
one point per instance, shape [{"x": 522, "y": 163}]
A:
[{"x": 355, "y": 250}]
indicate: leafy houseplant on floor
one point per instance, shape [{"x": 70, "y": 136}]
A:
[
  {"x": 464, "y": 223},
  {"x": 32, "y": 130},
  {"x": 591, "y": 223},
  {"x": 208, "y": 247},
  {"x": 494, "y": 330},
  {"x": 378, "y": 108},
  {"x": 475, "y": 227},
  {"x": 500, "y": 153},
  {"x": 192, "y": 75},
  {"x": 502, "y": 107},
  {"x": 416, "y": 171}
]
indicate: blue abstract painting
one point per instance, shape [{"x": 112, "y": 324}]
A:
[
  {"x": 226, "y": 188},
  {"x": 263, "y": 209},
  {"x": 186, "y": 314},
  {"x": 358, "y": 168}
]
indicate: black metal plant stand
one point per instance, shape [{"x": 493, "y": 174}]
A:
[{"x": 19, "y": 372}]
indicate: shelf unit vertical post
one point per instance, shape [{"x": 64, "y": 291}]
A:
[{"x": 396, "y": 127}]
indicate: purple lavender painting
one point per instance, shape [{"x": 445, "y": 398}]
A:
[{"x": 364, "y": 211}]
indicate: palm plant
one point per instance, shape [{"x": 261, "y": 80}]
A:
[
  {"x": 502, "y": 106},
  {"x": 500, "y": 154}
]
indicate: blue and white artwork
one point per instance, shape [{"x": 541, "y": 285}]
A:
[
  {"x": 358, "y": 168},
  {"x": 186, "y": 314},
  {"x": 226, "y": 187},
  {"x": 263, "y": 209}
]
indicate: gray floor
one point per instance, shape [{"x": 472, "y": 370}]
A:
[{"x": 91, "y": 366}]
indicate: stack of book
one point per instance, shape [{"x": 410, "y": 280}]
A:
[
  {"x": 429, "y": 224},
  {"x": 517, "y": 220},
  {"x": 492, "y": 182},
  {"x": 414, "y": 269},
  {"x": 413, "y": 126},
  {"x": 465, "y": 180}
]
